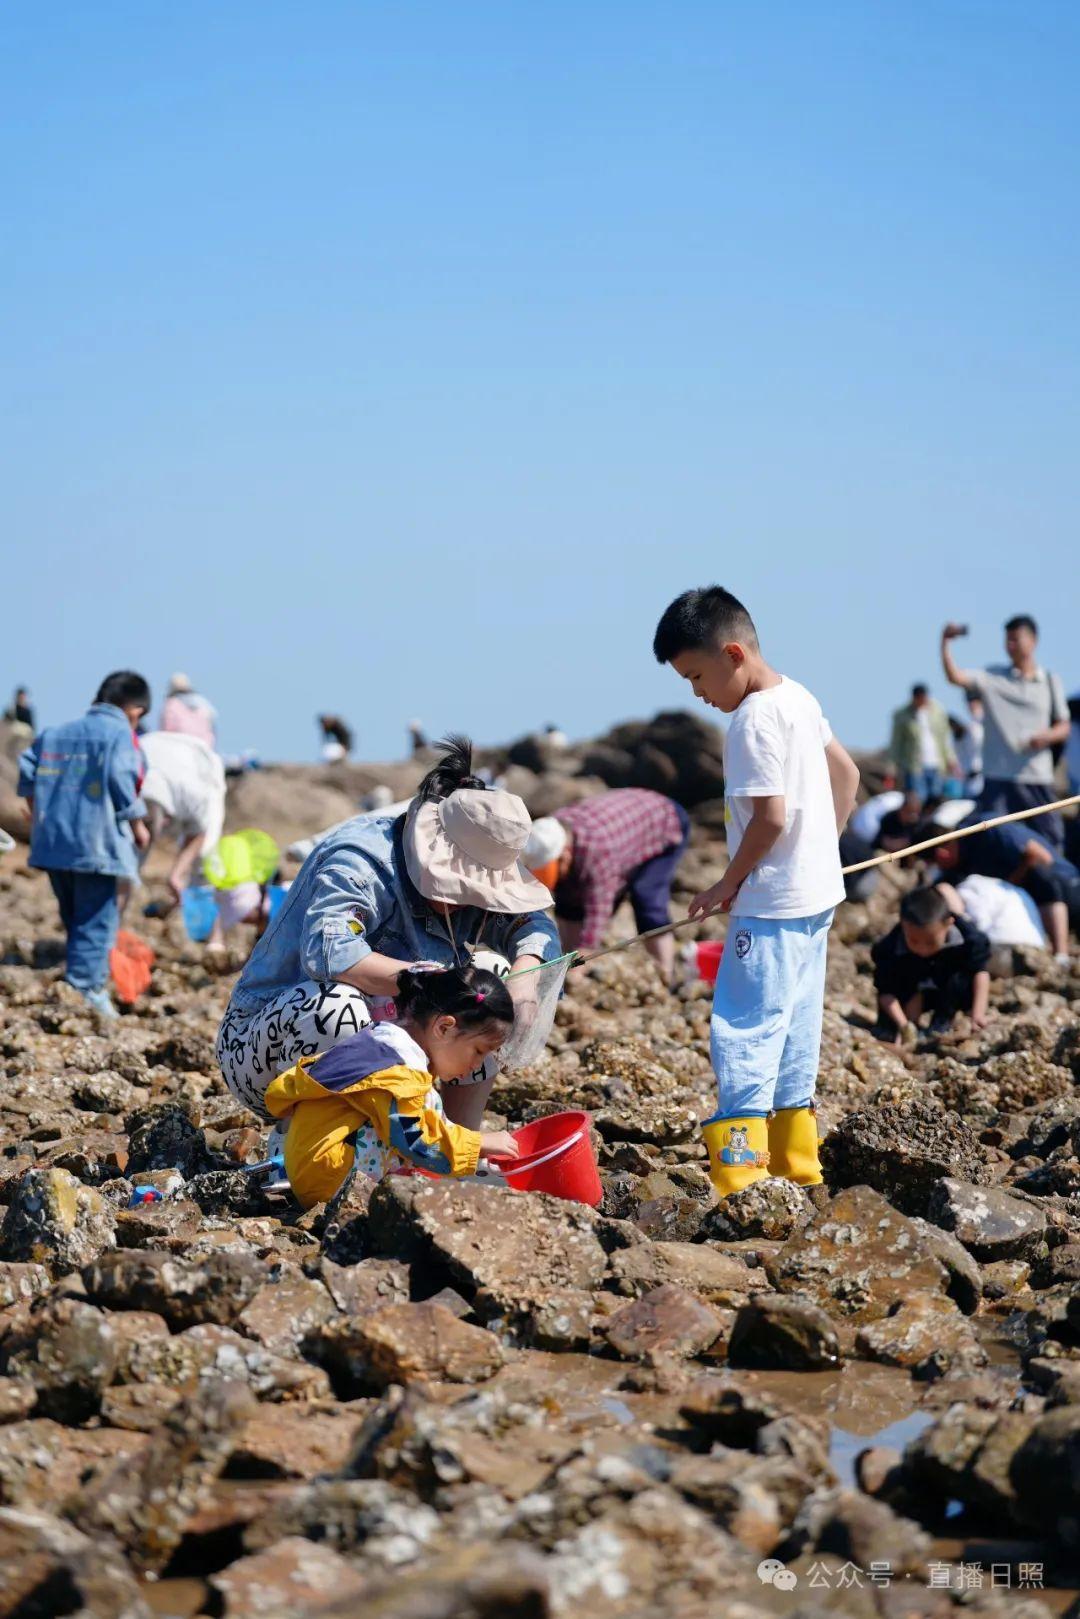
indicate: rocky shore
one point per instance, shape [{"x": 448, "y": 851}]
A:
[{"x": 446, "y": 1401}]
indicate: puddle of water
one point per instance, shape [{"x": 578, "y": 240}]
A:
[{"x": 845, "y": 1446}]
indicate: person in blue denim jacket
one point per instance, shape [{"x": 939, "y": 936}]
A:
[
  {"x": 383, "y": 893},
  {"x": 82, "y": 781}
]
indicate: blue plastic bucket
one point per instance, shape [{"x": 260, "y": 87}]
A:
[{"x": 200, "y": 912}]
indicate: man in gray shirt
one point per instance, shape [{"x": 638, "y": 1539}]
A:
[{"x": 1026, "y": 717}]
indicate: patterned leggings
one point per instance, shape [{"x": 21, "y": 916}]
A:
[{"x": 254, "y": 1047}]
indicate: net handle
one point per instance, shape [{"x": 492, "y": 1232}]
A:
[{"x": 580, "y": 960}]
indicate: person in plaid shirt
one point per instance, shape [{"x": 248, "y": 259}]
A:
[{"x": 594, "y": 854}]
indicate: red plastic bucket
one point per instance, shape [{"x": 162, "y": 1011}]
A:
[
  {"x": 703, "y": 959},
  {"x": 556, "y": 1157}
]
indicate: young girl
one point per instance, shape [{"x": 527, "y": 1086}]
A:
[{"x": 371, "y": 1100}]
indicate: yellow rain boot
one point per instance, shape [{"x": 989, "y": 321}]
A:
[
  {"x": 738, "y": 1152},
  {"x": 793, "y": 1145}
]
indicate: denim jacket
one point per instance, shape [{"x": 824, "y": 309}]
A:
[
  {"x": 352, "y": 896},
  {"x": 84, "y": 780}
]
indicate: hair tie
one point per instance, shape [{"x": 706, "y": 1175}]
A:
[{"x": 480, "y": 995}]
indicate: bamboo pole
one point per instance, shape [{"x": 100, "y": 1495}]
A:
[{"x": 862, "y": 865}]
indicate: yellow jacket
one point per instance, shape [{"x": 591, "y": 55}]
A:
[{"x": 364, "y": 1081}]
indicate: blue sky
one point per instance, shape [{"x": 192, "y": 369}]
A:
[{"x": 406, "y": 359}]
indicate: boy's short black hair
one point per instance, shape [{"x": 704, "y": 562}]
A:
[
  {"x": 1023, "y": 621},
  {"x": 923, "y": 907},
  {"x": 124, "y": 689},
  {"x": 701, "y": 619},
  {"x": 920, "y": 690}
]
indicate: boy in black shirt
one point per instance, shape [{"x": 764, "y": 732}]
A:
[{"x": 932, "y": 961}]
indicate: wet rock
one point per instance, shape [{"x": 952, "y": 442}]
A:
[
  {"x": 366, "y": 1286},
  {"x": 164, "y": 1137},
  {"x": 343, "y": 1227},
  {"x": 902, "y": 1150},
  {"x": 857, "y": 1258},
  {"x": 783, "y": 1332},
  {"x": 146, "y": 1504},
  {"x": 404, "y": 1343},
  {"x": 966, "y": 1455},
  {"x": 48, "y": 1567},
  {"x": 184, "y": 1292},
  {"x": 295, "y": 1576},
  {"x": 68, "y": 1352},
  {"x": 17, "y": 1399},
  {"x": 138, "y": 1407},
  {"x": 1044, "y": 1472},
  {"x": 468, "y": 1582},
  {"x": 965, "y": 1283},
  {"x": 754, "y": 1498},
  {"x": 107, "y": 1092},
  {"x": 924, "y": 1331},
  {"x": 283, "y": 1312},
  {"x": 185, "y": 1051},
  {"x": 514, "y": 1250},
  {"x": 56, "y": 1222},
  {"x": 391, "y": 1526},
  {"x": 860, "y": 1530},
  {"x": 42, "y": 1462},
  {"x": 293, "y": 1442},
  {"x": 668, "y": 1320},
  {"x": 168, "y": 1226},
  {"x": 228, "y": 1191},
  {"x": 670, "y": 1219},
  {"x": 20, "y": 1284},
  {"x": 772, "y": 1208},
  {"x": 696, "y": 1267},
  {"x": 563, "y": 1320},
  {"x": 751, "y": 1418},
  {"x": 990, "y": 1223}
]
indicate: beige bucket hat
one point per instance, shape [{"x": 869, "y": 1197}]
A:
[{"x": 466, "y": 850}]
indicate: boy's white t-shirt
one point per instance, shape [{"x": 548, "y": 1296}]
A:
[{"x": 775, "y": 745}]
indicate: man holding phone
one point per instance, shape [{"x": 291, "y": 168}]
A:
[{"x": 1026, "y": 718}]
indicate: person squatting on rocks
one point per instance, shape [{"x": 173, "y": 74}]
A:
[
  {"x": 1025, "y": 718},
  {"x": 921, "y": 746},
  {"x": 371, "y": 1104},
  {"x": 931, "y": 961},
  {"x": 790, "y": 788},
  {"x": 187, "y": 711},
  {"x": 592, "y": 855},
  {"x": 1021, "y": 857},
  {"x": 379, "y": 894},
  {"x": 88, "y": 823}
]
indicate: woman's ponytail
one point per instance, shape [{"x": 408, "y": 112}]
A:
[{"x": 452, "y": 773}]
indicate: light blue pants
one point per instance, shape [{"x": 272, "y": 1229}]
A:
[{"x": 766, "y": 1017}]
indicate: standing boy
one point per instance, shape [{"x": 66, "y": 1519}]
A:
[
  {"x": 790, "y": 788},
  {"x": 82, "y": 783}
]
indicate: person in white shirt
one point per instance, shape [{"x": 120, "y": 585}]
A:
[
  {"x": 790, "y": 788},
  {"x": 185, "y": 789}
]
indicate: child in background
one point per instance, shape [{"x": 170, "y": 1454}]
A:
[
  {"x": 88, "y": 822},
  {"x": 370, "y": 1102},
  {"x": 790, "y": 788},
  {"x": 931, "y": 961}
]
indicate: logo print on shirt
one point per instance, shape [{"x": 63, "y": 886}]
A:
[{"x": 743, "y": 941}]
